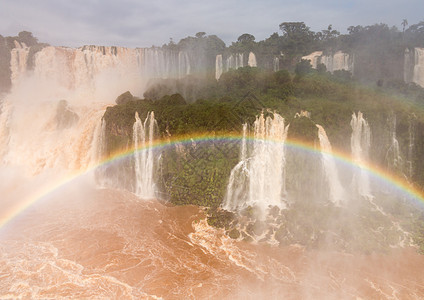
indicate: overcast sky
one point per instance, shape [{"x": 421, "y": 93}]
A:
[{"x": 143, "y": 23}]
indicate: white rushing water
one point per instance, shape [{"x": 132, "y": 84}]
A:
[
  {"x": 143, "y": 136},
  {"x": 393, "y": 156},
  {"x": 336, "y": 191},
  {"x": 39, "y": 130},
  {"x": 414, "y": 66},
  {"x": 218, "y": 66},
  {"x": 238, "y": 182},
  {"x": 411, "y": 146},
  {"x": 96, "y": 71},
  {"x": 418, "y": 76},
  {"x": 334, "y": 62},
  {"x": 360, "y": 145},
  {"x": 36, "y": 136},
  {"x": 252, "y": 60},
  {"x": 259, "y": 178},
  {"x": 276, "y": 64},
  {"x": 234, "y": 61}
]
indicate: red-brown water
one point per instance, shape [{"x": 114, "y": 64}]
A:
[{"x": 109, "y": 244}]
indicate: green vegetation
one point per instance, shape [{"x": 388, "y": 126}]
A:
[
  {"x": 197, "y": 172},
  {"x": 378, "y": 49},
  {"x": 240, "y": 95}
]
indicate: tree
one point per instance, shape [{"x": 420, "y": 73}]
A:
[
  {"x": 415, "y": 35},
  {"x": 303, "y": 67},
  {"x": 297, "y": 38},
  {"x": 404, "y": 24},
  {"x": 245, "y": 43},
  {"x": 27, "y": 38},
  {"x": 329, "y": 33},
  {"x": 328, "y": 38},
  {"x": 246, "y": 38},
  {"x": 200, "y": 34}
]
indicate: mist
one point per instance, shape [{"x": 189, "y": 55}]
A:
[{"x": 138, "y": 172}]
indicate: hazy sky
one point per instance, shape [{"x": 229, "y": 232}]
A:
[{"x": 142, "y": 23}]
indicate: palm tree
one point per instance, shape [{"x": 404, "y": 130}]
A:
[{"x": 404, "y": 24}]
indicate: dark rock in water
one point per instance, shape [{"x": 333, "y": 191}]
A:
[
  {"x": 234, "y": 234},
  {"x": 64, "y": 116},
  {"x": 124, "y": 98}
]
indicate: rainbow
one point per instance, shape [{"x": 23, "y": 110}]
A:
[{"x": 44, "y": 190}]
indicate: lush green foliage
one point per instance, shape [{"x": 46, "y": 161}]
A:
[
  {"x": 197, "y": 173},
  {"x": 242, "y": 94}
]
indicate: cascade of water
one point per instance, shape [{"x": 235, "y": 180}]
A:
[
  {"x": 393, "y": 157},
  {"x": 267, "y": 165},
  {"x": 411, "y": 135},
  {"x": 337, "y": 61},
  {"x": 229, "y": 63},
  {"x": 259, "y": 178},
  {"x": 238, "y": 184},
  {"x": 239, "y": 60},
  {"x": 252, "y": 60},
  {"x": 218, "y": 66},
  {"x": 276, "y": 64},
  {"x": 360, "y": 144},
  {"x": 98, "y": 149},
  {"x": 98, "y": 143},
  {"x": 337, "y": 193},
  {"x": 418, "y": 76},
  {"x": 158, "y": 63},
  {"x": 143, "y": 135},
  {"x": 234, "y": 61},
  {"x": 18, "y": 62},
  {"x": 408, "y": 63},
  {"x": 86, "y": 71},
  {"x": 48, "y": 144},
  {"x": 5, "y": 115}
]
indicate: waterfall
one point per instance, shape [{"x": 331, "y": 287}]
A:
[
  {"x": 337, "y": 193},
  {"x": 18, "y": 62},
  {"x": 48, "y": 144},
  {"x": 218, "y": 66},
  {"x": 393, "y": 158},
  {"x": 261, "y": 173},
  {"x": 413, "y": 66},
  {"x": 411, "y": 144},
  {"x": 143, "y": 135},
  {"x": 234, "y": 61},
  {"x": 159, "y": 63},
  {"x": 238, "y": 185},
  {"x": 87, "y": 77},
  {"x": 418, "y": 76},
  {"x": 276, "y": 64},
  {"x": 98, "y": 151},
  {"x": 252, "y": 60},
  {"x": 337, "y": 61},
  {"x": 98, "y": 143},
  {"x": 85, "y": 72},
  {"x": 239, "y": 60},
  {"x": 360, "y": 144}
]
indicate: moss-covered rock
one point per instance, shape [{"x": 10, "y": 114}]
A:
[{"x": 124, "y": 98}]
